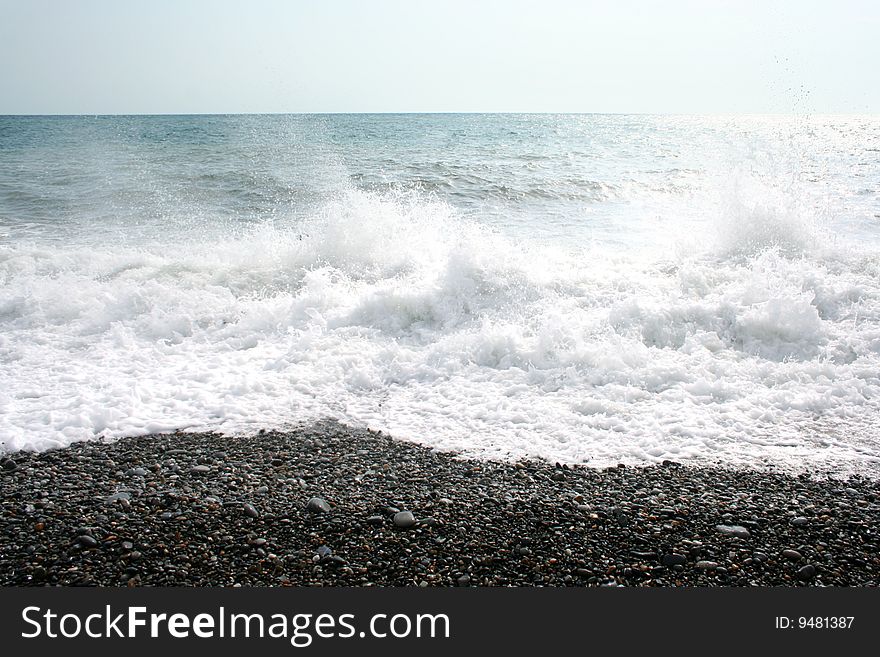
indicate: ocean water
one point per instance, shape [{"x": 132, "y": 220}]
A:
[{"x": 588, "y": 289}]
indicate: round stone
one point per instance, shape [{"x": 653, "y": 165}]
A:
[
  {"x": 318, "y": 505},
  {"x": 404, "y": 519}
]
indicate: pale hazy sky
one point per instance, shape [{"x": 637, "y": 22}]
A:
[{"x": 193, "y": 56}]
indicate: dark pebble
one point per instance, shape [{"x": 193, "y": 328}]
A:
[
  {"x": 87, "y": 541},
  {"x": 674, "y": 559},
  {"x": 807, "y": 572},
  {"x": 317, "y": 505}
]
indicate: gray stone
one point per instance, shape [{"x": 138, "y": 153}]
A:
[
  {"x": 200, "y": 469},
  {"x": 733, "y": 530},
  {"x": 404, "y": 519}
]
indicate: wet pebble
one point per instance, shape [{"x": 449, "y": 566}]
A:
[
  {"x": 87, "y": 541},
  {"x": 318, "y": 505},
  {"x": 674, "y": 559},
  {"x": 807, "y": 572}
]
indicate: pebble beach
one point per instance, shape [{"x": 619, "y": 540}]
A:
[{"x": 328, "y": 505}]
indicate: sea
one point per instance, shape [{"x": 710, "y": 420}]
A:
[{"x": 588, "y": 289}]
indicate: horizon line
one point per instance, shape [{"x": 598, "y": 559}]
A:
[{"x": 429, "y": 113}]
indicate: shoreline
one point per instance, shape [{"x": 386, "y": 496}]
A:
[{"x": 204, "y": 509}]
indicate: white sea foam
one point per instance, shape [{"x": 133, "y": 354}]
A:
[{"x": 394, "y": 312}]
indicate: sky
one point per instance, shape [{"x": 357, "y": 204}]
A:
[{"x": 222, "y": 56}]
